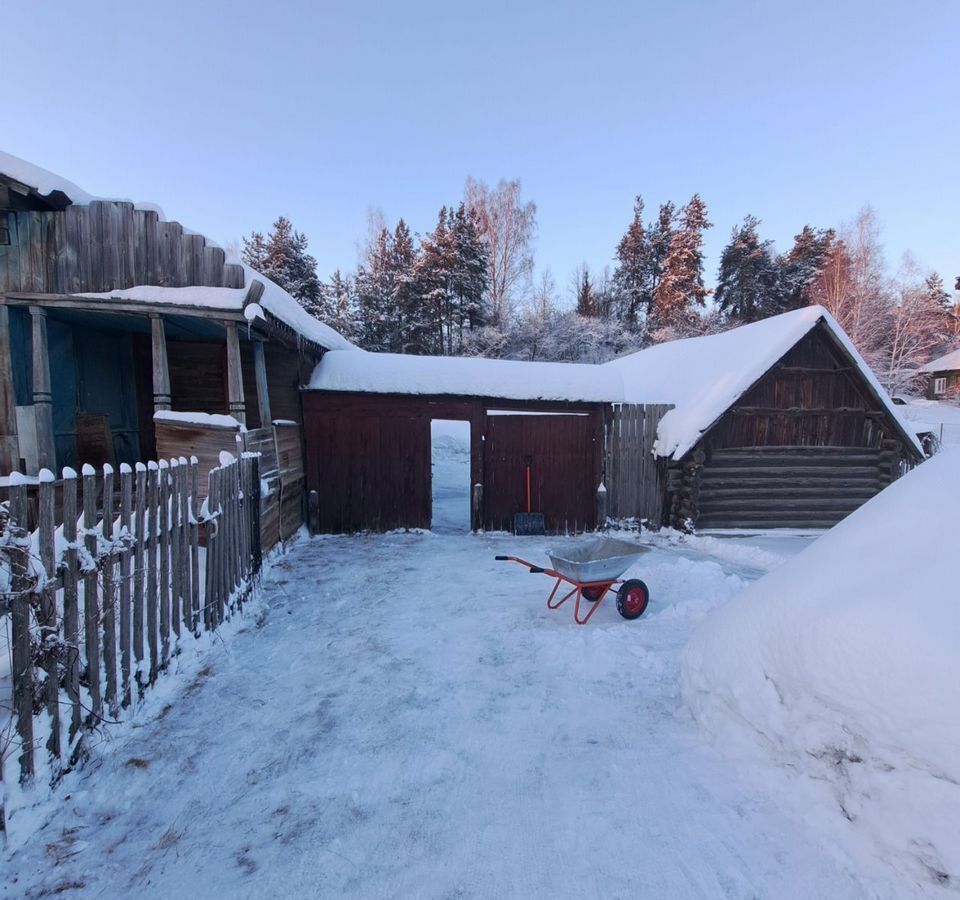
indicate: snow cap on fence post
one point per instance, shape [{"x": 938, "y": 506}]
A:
[
  {"x": 87, "y": 470},
  {"x": 107, "y": 469},
  {"x": 226, "y": 458},
  {"x": 69, "y": 473},
  {"x": 125, "y": 469},
  {"x": 140, "y": 467},
  {"x": 45, "y": 476}
]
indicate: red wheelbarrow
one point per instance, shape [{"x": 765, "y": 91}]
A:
[{"x": 593, "y": 569}]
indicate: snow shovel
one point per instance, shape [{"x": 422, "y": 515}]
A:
[{"x": 529, "y": 522}]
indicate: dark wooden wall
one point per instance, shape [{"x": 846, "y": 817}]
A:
[
  {"x": 804, "y": 447},
  {"x": 369, "y": 458},
  {"x": 105, "y": 246}
]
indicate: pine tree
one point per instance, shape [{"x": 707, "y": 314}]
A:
[
  {"x": 680, "y": 291},
  {"x": 748, "y": 283},
  {"x": 631, "y": 278},
  {"x": 374, "y": 287},
  {"x": 339, "y": 304},
  {"x": 801, "y": 266},
  {"x": 586, "y": 300},
  {"x": 404, "y": 295},
  {"x": 283, "y": 258}
]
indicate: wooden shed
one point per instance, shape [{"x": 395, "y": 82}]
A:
[
  {"x": 125, "y": 338},
  {"x": 367, "y": 423},
  {"x": 776, "y": 424}
]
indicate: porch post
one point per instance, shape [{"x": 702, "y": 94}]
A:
[
  {"x": 42, "y": 398},
  {"x": 9, "y": 443},
  {"x": 235, "y": 401},
  {"x": 263, "y": 393},
  {"x": 161, "y": 371}
]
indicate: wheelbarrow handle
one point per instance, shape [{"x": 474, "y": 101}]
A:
[{"x": 536, "y": 570}]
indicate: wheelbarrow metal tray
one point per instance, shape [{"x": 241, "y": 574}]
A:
[{"x": 603, "y": 559}]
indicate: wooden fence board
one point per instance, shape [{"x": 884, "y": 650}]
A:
[{"x": 633, "y": 480}]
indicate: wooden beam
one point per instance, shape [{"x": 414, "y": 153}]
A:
[
  {"x": 118, "y": 305},
  {"x": 254, "y": 292},
  {"x": 42, "y": 397},
  {"x": 263, "y": 393},
  {"x": 235, "y": 401},
  {"x": 161, "y": 370},
  {"x": 9, "y": 442}
]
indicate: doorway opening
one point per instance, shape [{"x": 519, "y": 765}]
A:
[{"x": 450, "y": 467}]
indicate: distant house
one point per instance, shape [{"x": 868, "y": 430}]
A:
[
  {"x": 125, "y": 337},
  {"x": 943, "y": 381},
  {"x": 775, "y": 424}
]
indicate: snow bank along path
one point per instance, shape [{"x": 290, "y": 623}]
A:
[
  {"x": 409, "y": 721},
  {"x": 844, "y": 664}
]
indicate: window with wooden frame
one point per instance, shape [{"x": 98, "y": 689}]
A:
[{"x": 939, "y": 385}]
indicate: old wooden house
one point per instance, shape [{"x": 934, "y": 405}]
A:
[
  {"x": 775, "y": 424},
  {"x": 943, "y": 377},
  {"x": 126, "y": 337}
]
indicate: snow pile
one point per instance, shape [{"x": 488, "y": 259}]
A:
[
  {"x": 703, "y": 376},
  {"x": 935, "y": 417},
  {"x": 843, "y": 664},
  {"x": 206, "y": 420},
  {"x": 392, "y": 373}
]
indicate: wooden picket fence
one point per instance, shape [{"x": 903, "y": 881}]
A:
[{"x": 98, "y": 606}]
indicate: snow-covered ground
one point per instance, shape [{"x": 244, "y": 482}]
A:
[
  {"x": 941, "y": 419},
  {"x": 841, "y": 671},
  {"x": 408, "y": 720},
  {"x": 450, "y": 444}
]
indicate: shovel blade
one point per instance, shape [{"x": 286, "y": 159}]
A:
[{"x": 529, "y": 523}]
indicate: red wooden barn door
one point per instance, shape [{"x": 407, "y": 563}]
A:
[{"x": 564, "y": 461}]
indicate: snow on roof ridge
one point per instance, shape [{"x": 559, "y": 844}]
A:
[
  {"x": 946, "y": 363},
  {"x": 45, "y": 182},
  {"x": 395, "y": 373}
]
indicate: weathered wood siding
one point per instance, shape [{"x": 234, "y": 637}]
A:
[
  {"x": 633, "y": 476},
  {"x": 564, "y": 453},
  {"x": 806, "y": 445},
  {"x": 369, "y": 459},
  {"x": 105, "y": 246}
]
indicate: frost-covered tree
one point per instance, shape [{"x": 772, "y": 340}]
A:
[
  {"x": 801, "y": 266},
  {"x": 375, "y": 293},
  {"x": 506, "y": 225},
  {"x": 748, "y": 283},
  {"x": 631, "y": 277},
  {"x": 584, "y": 292},
  {"x": 680, "y": 291},
  {"x": 339, "y": 306},
  {"x": 282, "y": 256}
]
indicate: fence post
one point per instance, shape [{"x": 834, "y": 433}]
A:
[
  {"x": 20, "y": 626},
  {"x": 153, "y": 629},
  {"x": 257, "y": 554},
  {"x": 139, "y": 525},
  {"x": 174, "y": 505},
  {"x": 126, "y": 504},
  {"x": 109, "y": 595},
  {"x": 91, "y": 609},
  {"x": 164, "y": 564},
  {"x": 194, "y": 547},
  {"x": 71, "y": 609},
  {"x": 212, "y": 525},
  {"x": 186, "y": 597},
  {"x": 49, "y": 630}
]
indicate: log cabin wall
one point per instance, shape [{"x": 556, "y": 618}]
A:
[{"x": 804, "y": 447}]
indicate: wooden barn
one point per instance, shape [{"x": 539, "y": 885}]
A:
[
  {"x": 367, "y": 420},
  {"x": 125, "y": 337},
  {"x": 943, "y": 377},
  {"x": 775, "y": 424}
]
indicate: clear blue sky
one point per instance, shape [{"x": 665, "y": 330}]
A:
[{"x": 229, "y": 113}]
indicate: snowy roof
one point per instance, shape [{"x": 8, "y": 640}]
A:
[
  {"x": 948, "y": 363},
  {"x": 392, "y": 373},
  {"x": 704, "y": 376},
  {"x": 275, "y": 300}
]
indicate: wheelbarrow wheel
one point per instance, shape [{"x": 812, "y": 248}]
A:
[
  {"x": 593, "y": 594},
  {"x": 632, "y": 599}
]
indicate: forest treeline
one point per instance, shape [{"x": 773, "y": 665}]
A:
[{"x": 467, "y": 287}]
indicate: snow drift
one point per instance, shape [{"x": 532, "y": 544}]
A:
[{"x": 844, "y": 665}]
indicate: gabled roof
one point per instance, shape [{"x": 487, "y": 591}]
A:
[
  {"x": 948, "y": 363},
  {"x": 704, "y": 376},
  {"x": 274, "y": 301}
]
